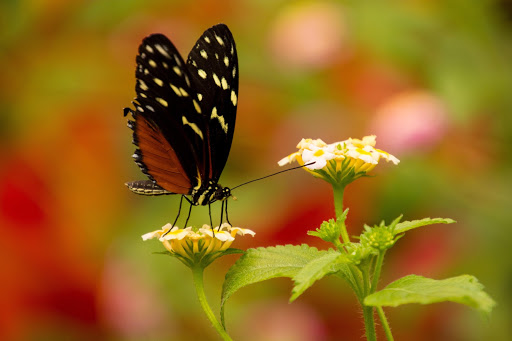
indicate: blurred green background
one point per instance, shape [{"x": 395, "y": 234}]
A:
[{"x": 431, "y": 78}]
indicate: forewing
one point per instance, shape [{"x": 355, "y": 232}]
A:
[
  {"x": 213, "y": 66},
  {"x": 169, "y": 127}
]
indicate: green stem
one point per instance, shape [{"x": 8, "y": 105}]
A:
[
  {"x": 338, "y": 209},
  {"x": 373, "y": 288},
  {"x": 356, "y": 282},
  {"x": 197, "y": 272},
  {"x": 376, "y": 273},
  {"x": 369, "y": 323},
  {"x": 366, "y": 281},
  {"x": 385, "y": 324}
]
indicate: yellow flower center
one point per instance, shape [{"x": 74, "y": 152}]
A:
[{"x": 318, "y": 153}]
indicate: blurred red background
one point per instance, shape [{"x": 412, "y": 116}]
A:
[{"x": 432, "y": 79}]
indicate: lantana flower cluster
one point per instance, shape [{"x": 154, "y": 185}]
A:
[
  {"x": 203, "y": 245},
  {"x": 339, "y": 162}
]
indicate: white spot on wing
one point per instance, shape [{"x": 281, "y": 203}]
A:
[
  {"x": 204, "y": 54},
  {"x": 183, "y": 92},
  {"x": 226, "y": 61},
  {"x": 221, "y": 120},
  {"x": 158, "y": 81},
  {"x": 150, "y": 108},
  {"x": 201, "y": 73},
  {"x": 177, "y": 59},
  {"x": 143, "y": 85},
  {"x": 234, "y": 99},
  {"x": 196, "y": 105},
  {"x": 219, "y": 39},
  {"x": 161, "y": 101},
  {"x": 216, "y": 79},
  {"x": 177, "y": 70},
  {"x": 149, "y": 49},
  {"x": 207, "y": 39},
  {"x": 162, "y": 51},
  {"x": 234, "y": 72},
  {"x": 194, "y": 127},
  {"x": 225, "y": 85},
  {"x": 200, "y": 97},
  {"x": 165, "y": 65},
  {"x": 175, "y": 89}
]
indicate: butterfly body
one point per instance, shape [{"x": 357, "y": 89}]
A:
[
  {"x": 184, "y": 116},
  {"x": 209, "y": 193}
]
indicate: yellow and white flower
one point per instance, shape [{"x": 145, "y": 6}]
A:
[
  {"x": 197, "y": 246},
  {"x": 334, "y": 161}
]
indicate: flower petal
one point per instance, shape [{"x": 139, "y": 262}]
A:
[
  {"x": 158, "y": 233},
  {"x": 151, "y": 235},
  {"x": 242, "y": 231},
  {"x": 288, "y": 159}
]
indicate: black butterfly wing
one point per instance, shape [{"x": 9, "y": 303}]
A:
[
  {"x": 213, "y": 66},
  {"x": 169, "y": 128},
  {"x": 184, "y": 115}
]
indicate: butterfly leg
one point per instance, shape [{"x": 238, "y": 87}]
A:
[
  {"x": 221, "y": 212},
  {"x": 211, "y": 222},
  {"x": 179, "y": 211},
  {"x": 227, "y": 218},
  {"x": 189, "y": 211},
  {"x": 175, "y": 220},
  {"x": 210, "y": 214}
]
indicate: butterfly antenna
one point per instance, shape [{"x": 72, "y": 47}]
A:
[{"x": 268, "y": 176}]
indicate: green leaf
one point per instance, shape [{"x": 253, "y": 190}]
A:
[
  {"x": 463, "y": 289},
  {"x": 409, "y": 225},
  {"x": 232, "y": 251},
  {"x": 167, "y": 253},
  {"x": 260, "y": 264},
  {"x": 317, "y": 269}
]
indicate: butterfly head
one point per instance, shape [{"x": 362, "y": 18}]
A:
[{"x": 221, "y": 193}]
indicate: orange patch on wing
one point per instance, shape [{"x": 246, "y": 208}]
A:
[{"x": 160, "y": 159}]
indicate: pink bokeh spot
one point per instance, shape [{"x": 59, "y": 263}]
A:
[
  {"x": 308, "y": 36},
  {"x": 410, "y": 121},
  {"x": 277, "y": 319},
  {"x": 131, "y": 306}
]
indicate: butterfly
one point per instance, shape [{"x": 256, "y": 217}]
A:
[{"x": 184, "y": 115}]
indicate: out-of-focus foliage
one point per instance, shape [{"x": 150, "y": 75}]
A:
[{"x": 432, "y": 79}]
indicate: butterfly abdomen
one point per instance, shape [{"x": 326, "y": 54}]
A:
[{"x": 146, "y": 187}]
